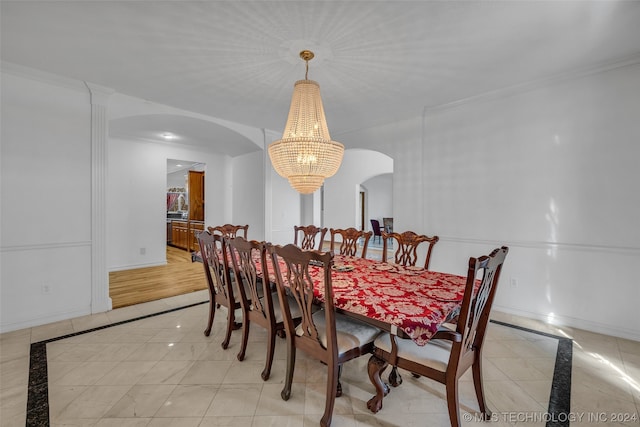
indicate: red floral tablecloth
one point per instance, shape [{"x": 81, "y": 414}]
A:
[{"x": 415, "y": 300}]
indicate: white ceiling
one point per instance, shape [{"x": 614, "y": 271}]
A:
[{"x": 376, "y": 61}]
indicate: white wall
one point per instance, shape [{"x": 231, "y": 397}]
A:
[
  {"x": 341, "y": 191},
  {"x": 247, "y": 187},
  {"x": 285, "y": 210},
  {"x": 46, "y": 174},
  {"x": 136, "y": 199},
  {"x": 379, "y": 198},
  {"x": 550, "y": 171},
  {"x": 282, "y": 203},
  {"x": 177, "y": 179},
  {"x": 46, "y": 201},
  {"x": 402, "y": 141}
]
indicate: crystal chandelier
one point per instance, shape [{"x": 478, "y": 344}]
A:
[{"x": 306, "y": 155}]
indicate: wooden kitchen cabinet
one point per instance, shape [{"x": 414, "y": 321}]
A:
[
  {"x": 195, "y": 227},
  {"x": 180, "y": 234},
  {"x": 184, "y": 234},
  {"x": 184, "y": 229}
]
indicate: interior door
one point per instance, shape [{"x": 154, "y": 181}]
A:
[
  {"x": 196, "y": 196},
  {"x": 362, "y": 205}
]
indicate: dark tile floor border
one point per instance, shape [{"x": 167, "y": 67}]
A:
[
  {"x": 558, "y": 412},
  {"x": 38, "y": 390}
]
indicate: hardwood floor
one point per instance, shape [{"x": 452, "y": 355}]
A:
[{"x": 179, "y": 276}]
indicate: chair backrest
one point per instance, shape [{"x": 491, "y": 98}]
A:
[
  {"x": 349, "y": 244},
  {"x": 482, "y": 282},
  {"x": 309, "y": 234},
  {"x": 375, "y": 227},
  {"x": 300, "y": 285},
  {"x": 229, "y": 230},
  {"x": 251, "y": 287},
  {"x": 388, "y": 224},
  {"x": 407, "y": 250},
  {"x": 213, "y": 251}
]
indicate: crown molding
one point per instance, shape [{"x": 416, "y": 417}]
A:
[
  {"x": 536, "y": 84},
  {"x": 42, "y": 76},
  {"x": 99, "y": 94}
]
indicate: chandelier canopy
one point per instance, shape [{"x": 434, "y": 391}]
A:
[{"x": 306, "y": 155}]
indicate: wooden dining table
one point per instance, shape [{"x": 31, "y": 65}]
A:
[{"x": 410, "y": 302}]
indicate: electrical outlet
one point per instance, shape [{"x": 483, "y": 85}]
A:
[
  {"x": 143, "y": 251},
  {"x": 46, "y": 288},
  {"x": 514, "y": 282}
]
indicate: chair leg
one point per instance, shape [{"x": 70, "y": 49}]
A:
[
  {"x": 452, "y": 403},
  {"x": 395, "y": 379},
  {"x": 375, "y": 368},
  {"x": 332, "y": 385},
  {"x": 271, "y": 346},
  {"x": 476, "y": 368},
  {"x": 291, "y": 365},
  {"x": 230, "y": 325},
  {"x": 246, "y": 326},
  {"x": 212, "y": 313},
  {"x": 339, "y": 384}
]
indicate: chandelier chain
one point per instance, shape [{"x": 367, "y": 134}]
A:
[{"x": 306, "y": 55}]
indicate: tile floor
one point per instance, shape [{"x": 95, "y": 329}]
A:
[{"x": 162, "y": 371}]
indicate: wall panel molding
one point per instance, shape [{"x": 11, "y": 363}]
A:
[
  {"x": 100, "y": 300},
  {"x": 45, "y": 246},
  {"x": 546, "y": 245}
]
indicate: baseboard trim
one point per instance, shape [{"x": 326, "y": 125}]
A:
[
  {"x": 134, "y": 266},
  {"x": 55, "y": 317},
  {"x": 572, "y": 322}
]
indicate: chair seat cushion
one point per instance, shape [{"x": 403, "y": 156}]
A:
[
  {"x": 435, "y": 354},
  {"x": 448, "y": 327},
  {"x": 277, "y": 311},
  {"x": 350, "y": 332}
]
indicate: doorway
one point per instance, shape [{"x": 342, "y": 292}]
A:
[{"x": 185, "y": 203}]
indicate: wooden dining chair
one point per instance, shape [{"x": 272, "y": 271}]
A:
[
  {"x": 407, "y": 247},
  {"x": 406, "y": 254},
  {"x": 229, "y": 230},
  {"x": 260, "y": 305},
  {"x": 308, "y": 236},
  {"x": 350, "y": 241},
  {"x": 213, "y": 251},
  {"x": 450, "y": 353},
  {"x": 376, "y": 228},
  {"x": 322, "y": 334}
]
